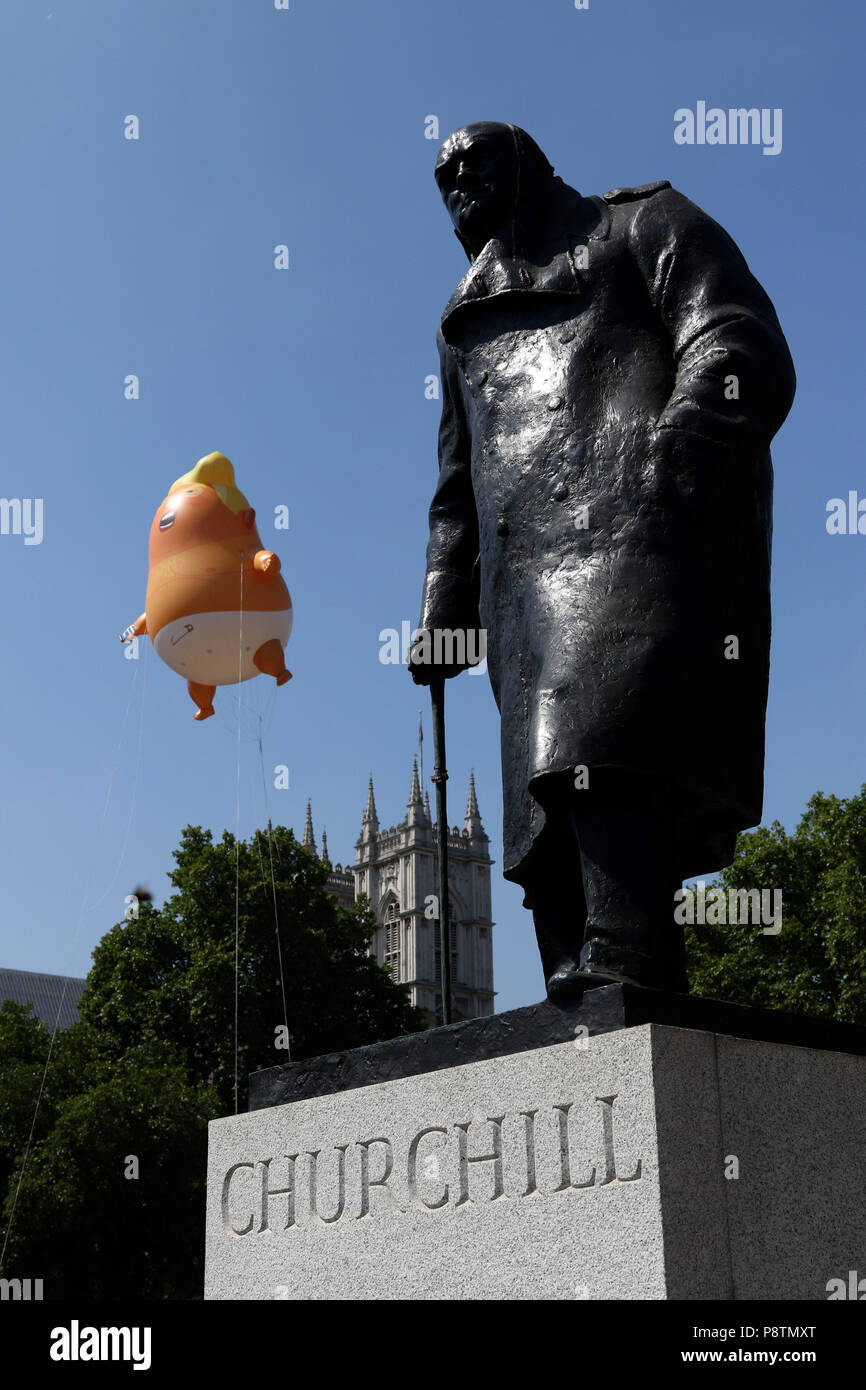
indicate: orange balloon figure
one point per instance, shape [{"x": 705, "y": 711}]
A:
[{"x": 217, "y": 608}]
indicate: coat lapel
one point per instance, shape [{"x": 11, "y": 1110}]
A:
[{"x": 549, "y": 264}]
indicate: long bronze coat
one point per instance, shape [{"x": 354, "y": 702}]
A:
[{"x": 612, "y": 376}]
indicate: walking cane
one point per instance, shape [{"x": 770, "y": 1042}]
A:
[{"x": 440, "y": 777}]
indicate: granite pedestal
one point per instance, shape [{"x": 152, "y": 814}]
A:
[{"x": 592, "y": 1153}]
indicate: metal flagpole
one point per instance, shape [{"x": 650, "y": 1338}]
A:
[{"x": 439, "y": 778}]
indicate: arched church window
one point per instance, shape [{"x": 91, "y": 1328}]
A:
[{"x": 391, "y": 924}]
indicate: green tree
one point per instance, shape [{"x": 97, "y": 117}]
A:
[
  {"x": 152, "y": 1059},
  {"x": 816, "y": 964},
  {"x": 169, "y": 973},
  {"x": 113, "y": 1196},
  {"x": 24, "y": 1050}
]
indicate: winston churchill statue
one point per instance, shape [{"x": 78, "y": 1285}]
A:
[{"x": 612, "y": 376}]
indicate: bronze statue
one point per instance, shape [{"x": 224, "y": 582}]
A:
[{"x": 612, "y": 376}]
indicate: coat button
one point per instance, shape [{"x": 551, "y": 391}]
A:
[
  {"x": 560, "y": 492},
  {"x": 554, "y": 403},
  {"x": 502, "y": 527}
]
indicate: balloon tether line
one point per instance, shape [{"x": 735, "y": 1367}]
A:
[
  {"x": 274, "y": 895},
  {"x": 93, "y": 906}
]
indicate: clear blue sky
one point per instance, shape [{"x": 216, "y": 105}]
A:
[{"x": 155, "y": 257}]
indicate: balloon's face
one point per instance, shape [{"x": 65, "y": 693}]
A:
[
  {"x": 195, "y": 515},
  {"x": 202, "y": 556}
]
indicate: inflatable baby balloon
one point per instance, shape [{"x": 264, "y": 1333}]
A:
[{"x": 217, "y": 609}]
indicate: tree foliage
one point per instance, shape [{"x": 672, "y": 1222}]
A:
[
  {"x": 152, "y": 1059},
  {"x": 112, "y": 1200},
  {"x": 816, "y": 964},
  {"x": 169, "y": 973}
]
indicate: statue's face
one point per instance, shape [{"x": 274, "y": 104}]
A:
[{"x": 478, "y": 177}]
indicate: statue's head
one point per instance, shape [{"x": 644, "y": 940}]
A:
[{"x": 485, "y": 172}]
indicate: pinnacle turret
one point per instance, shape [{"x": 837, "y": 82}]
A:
[
  {"x": 415, "y": 789},
  {"x": 472, "y": 823},
  {"x": 309, "y": 840},
  {"x": 370, "y": 815},
  {"x": 416, "y": 814},
  {"x": 370, "y": 825}
]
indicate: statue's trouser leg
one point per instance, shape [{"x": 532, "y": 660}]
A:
[
  {"x": 625, "y": 829},
  {"x": 554, "y": 892}
]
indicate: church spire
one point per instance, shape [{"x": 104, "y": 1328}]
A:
[
  {"x": 325, "y": 856},
  {"x": 369, "y": 827},
  {"x": 426, "y": 803},
  {"x": 309, "y": 840},
  {"x": 415, "y": 789},
  {"x": 416, "y": 805},
  {"x": 472, "y": 823}
]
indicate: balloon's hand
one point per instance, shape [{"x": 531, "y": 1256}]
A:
[
  {"x": 266, "y": 562},
  {"x": 136, "y": 629}
]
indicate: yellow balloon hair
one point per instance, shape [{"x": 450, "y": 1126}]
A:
[{"x": 217, "y": 472}]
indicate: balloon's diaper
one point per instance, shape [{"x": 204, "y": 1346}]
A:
[{"x": 206, "y": 647}]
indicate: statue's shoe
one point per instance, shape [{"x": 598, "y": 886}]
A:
[
  {"x": 564, "y": 986},
  {"x": 603, "y": 962},
  {"x": 568, "y": 985}
]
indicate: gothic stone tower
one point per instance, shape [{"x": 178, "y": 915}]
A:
[{"x": 397, "y": 869}]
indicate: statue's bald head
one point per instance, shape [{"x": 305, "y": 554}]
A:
[{"x": 484, "y": 172}]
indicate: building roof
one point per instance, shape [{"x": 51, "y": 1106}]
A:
[{"x": 45, "y": 993}]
